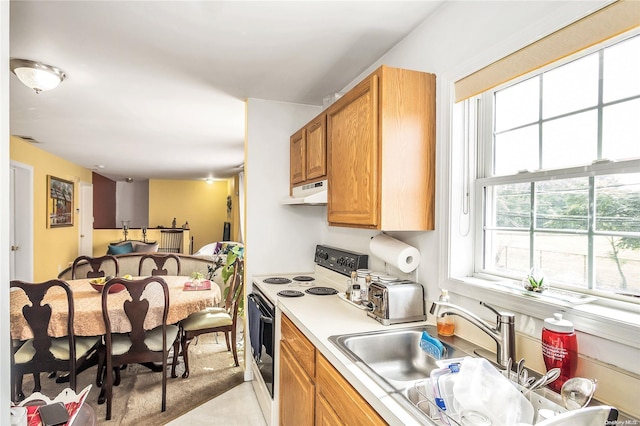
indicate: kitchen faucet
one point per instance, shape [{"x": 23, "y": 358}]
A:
[{"x": 503, "y": 333}]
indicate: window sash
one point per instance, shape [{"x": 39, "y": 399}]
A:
[{"x": 484, "y": 114}]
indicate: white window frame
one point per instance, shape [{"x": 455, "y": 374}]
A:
[{"x": 617, "y": 319}]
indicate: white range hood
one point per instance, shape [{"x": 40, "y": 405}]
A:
[{"x": 310, "y": 194}]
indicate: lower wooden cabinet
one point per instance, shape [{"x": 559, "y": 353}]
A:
[
  {"x": 334, "y": 392},
  {"x": 297, "y": 391},
  {"x": 325, "y": 416},
  {"x": 312, "y": 391}
]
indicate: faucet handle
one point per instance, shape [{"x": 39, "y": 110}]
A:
[{"x": 502, "y": 317}]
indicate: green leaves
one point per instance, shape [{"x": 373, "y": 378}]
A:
[{"x": 234, "y": 254}]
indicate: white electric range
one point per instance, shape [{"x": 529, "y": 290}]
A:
[{"x": 333, "y": 268}]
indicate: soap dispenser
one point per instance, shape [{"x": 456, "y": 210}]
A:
[{"x": 445, "y": 324}]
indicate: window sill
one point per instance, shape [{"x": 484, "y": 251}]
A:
[{"x": 620, "y": 323}]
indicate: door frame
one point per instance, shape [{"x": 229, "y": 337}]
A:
[
  {"x": 85, "y": 220},
  {"x": 21, "y": 220}
]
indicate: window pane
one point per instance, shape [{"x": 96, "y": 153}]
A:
[
  {"x": 516, "y": 150},
  {"x": 512, "y": 206},
  {"x": 507, "y": 252},
  {"x": 562, "y": 258},
  {"x": 518, "y": 104},
  {"x": 618, "y": 203},
  {"x": 562, "y": 204},
  {"x": 617, "y": 264},
  {"x": 621, "y": 70},
  {"x": 571, "y": 87},
  {"x": 621, "y": 130},
  {"x": 570, "y": 141}
]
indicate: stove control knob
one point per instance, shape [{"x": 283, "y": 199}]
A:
[
  {"x": 352, "y": 264},
  {"x": 321, "y": 254}
]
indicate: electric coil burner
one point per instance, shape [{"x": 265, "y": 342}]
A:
[
  {"x": 277, "y": 280},
  {"x": 321, "y": 291},
  {"x": 303, "y": 278},
  {"x": 290, "y": 293}
]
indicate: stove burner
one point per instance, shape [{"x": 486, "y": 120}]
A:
[
  {"x": 290, "y": 293},
  {"x": 303, "y": 278},
  {"x": 277, "y": 280},
  {"x": 321, "y": 291}
]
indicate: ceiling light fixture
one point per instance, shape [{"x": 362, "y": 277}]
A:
[
  {"x": 209, "y": 181},
  {"x": 37, "y": 76}
]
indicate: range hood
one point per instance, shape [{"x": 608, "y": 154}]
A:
[{"x": 310, "y": 194}]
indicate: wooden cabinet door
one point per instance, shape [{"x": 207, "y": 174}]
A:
[
  {"x": 347, "y": 404},
  {"x": 297, "y": 399},
  {"x": 325, "y": 416},
  {"x": 353, "y": 145},
  {"x": 298, "y": 160},
  {"x": 316, "y": 148},
  {"x": 302, "y": 349}
]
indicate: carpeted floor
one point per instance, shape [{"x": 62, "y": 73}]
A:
[{"x": 137, "y": 400}]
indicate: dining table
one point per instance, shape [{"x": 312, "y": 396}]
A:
[{"x": 184, "y": 299}]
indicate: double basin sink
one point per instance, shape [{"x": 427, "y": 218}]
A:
[{"x": 394, "y": 360}]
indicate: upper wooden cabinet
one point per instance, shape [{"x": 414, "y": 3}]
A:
[
  {"x": 308, "y": 160},
  {"x": 298, "y": 151},
  {"x": 381, "y": 153}
]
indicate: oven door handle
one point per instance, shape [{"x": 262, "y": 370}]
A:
[{"x": 264, "y": 318}]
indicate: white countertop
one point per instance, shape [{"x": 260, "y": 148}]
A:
[{"x": 320, "y": 317}]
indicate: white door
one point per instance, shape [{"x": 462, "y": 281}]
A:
[
  {"x": 85, "y": 243},
  {"x": 21, "y": 222}
]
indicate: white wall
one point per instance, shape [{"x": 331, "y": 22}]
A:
[
  {"x": 132, "y": 203},
  {"x": 279, "y": 238}
]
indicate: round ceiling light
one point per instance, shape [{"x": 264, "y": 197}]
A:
[{"x": 37, "y": 76}]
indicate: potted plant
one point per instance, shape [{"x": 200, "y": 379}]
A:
[{"x": 535, "y": 280}]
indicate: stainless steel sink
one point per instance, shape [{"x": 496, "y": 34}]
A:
[
  {"x": 394, "y": 360},
  {"x": 395, "y": 355}
]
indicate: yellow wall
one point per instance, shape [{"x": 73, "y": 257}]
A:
[
  {"x": 53, "y": 248},
  {"x": 203, "y": 205}
]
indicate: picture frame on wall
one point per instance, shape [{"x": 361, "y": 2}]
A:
[{"x": 59, "y": 202}]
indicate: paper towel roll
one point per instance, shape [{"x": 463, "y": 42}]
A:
[{"x": 398, "y": 254}]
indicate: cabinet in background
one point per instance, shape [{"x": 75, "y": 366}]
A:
[
  {"x": 381, "y": 153},
  {"x": 308, "y": 152}
]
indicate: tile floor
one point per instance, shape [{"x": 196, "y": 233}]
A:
[{"x": 236, "y": 407}]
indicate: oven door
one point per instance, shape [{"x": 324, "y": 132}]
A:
[{"x": 262, "y": 335}]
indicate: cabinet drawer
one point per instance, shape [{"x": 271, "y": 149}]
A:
[{"x": 302, "y": 348}]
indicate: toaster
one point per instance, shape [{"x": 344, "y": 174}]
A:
[{"x": 396, "y": 302}]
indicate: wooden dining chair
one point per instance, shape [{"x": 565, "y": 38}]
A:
[
  {"x": 139, "y": 345},
  {"x": 44, "y": 353},
  {"x": 213, "y": 320},
  {"x": 96, "y": 264},
  {"x": 159, "y": 261}
]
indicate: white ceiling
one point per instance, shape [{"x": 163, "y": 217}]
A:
[{"x": 156, "y": 89}]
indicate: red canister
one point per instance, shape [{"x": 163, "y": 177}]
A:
[{"x": 559, "y": 348}]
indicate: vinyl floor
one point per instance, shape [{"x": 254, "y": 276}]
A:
[{"x": 236, "y": 407}]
